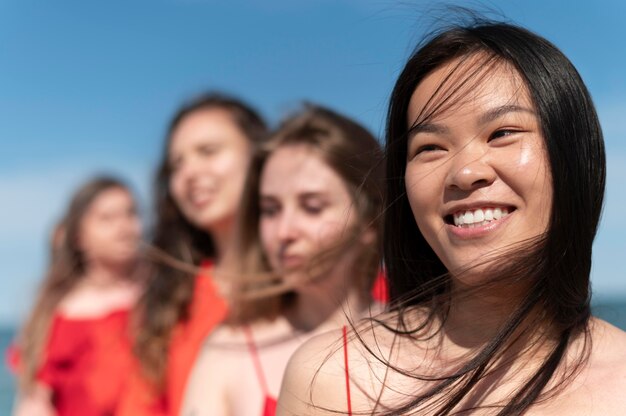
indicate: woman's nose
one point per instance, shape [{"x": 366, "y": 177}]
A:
[
  {"x": 287, "y": 226},
  {"x": 188, "y": 169},
  {"x": 470, "y": 169}
]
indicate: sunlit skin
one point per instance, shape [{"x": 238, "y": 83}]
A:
[
  {"x": 209, "y": 157},
  {"x": 485, "y": 153},
  {"x": 110, "y": 230},
  {"x": 305, "y": 207}
]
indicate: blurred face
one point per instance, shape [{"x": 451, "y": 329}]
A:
[
  {"x": 110, "y": 230},
  {"x": 477, "y": 174},
  {"x": 305, "y": 207},
  {"x": 209, "y": 157}
]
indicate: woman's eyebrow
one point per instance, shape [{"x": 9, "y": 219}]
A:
[
  {"x": 498, "y": 112},
  {"x": 267, "y": 198},
  {"x": 321, "y": 194},
  {"x": 428, "y": 128}
]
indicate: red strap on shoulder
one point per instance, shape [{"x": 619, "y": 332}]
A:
[
  {"x": 345, "y": 361},
  {"x": 256, "y": 360}
]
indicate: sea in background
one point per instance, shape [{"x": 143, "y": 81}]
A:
[
  {"x": 611, "y": 310},
  {"x": 7, "y": 388}
]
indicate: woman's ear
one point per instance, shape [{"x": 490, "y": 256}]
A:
[{"x": 368, "y": 236}]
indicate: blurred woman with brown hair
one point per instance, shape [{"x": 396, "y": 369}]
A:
[
  {"x": 74, "y": 351},
  {"x": 198, "y": 188}
]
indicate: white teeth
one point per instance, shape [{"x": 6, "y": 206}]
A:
[{"x": 478, "y": 217}]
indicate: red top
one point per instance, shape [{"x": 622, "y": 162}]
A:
[
  {"x": 347, "y": 369},
  {"x": 380, "y": 289},
  {"x": 207, "y": 310},
  {"x": 86, "y": 363},
  {"x": 270, "y": 403}
]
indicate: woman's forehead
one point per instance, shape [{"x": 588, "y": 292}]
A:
[{"x": 465, "y": 85}]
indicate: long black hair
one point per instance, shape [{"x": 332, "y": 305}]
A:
[{"x": 558, "y": 263}]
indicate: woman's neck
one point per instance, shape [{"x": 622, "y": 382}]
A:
[
  {"x": 108, "y": 274},
  {"x": 320, "y": 313},
  {"x": 477, "y": 316},
  {"x": 222, "y": 237},
  {"x": 473, "y": 320},
  {"x": 324, "y": 304}
]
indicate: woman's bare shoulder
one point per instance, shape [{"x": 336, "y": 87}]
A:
[
  {"x": 331, "y": 366},
  {"x": 313, "y": 376},
  {"x": 607, "y": 366},
  {"x": 599, "y": 388}
]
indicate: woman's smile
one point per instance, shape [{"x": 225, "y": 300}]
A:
[{"x": 474, "y": 223}]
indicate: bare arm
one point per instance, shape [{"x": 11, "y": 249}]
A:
[{"x": 37, "y": 402}]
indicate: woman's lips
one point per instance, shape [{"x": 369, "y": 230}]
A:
[
  {"x": 200, "y": 198},
  {"x": 291, "y": 261}
]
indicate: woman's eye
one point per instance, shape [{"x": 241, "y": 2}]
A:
[
  {"x": 498, "y": 134},
  {"x": 207, "y": 150},
  {"x": 427, "y": 148},
  {"x": 106, "y": 217},
  {"x": 313, "y": 209},
  {"x": 268, "y": 210}
]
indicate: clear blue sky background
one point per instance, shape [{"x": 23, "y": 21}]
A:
[{"x": 88, "y": 86}]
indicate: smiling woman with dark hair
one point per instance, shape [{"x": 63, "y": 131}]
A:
[{"x": 495, "y": 174}]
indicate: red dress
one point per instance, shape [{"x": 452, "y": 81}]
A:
[
  {"x": 86, "y": 363},
  {"x": 208, "y": 309}
]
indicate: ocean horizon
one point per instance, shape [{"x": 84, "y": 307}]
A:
[{"x": 611, "y": 310}]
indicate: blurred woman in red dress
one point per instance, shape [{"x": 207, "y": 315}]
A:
[{"x": 74, "y": 351}]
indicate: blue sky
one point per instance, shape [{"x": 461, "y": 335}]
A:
[{"x": 88, "y": 87}]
